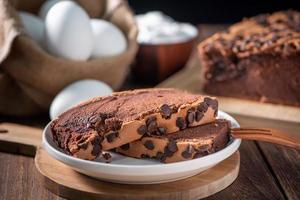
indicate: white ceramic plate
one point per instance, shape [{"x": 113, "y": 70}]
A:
[{"x": 128, "y": 170}]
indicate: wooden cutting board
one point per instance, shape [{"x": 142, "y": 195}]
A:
[
  {"x": 65, "y": 182},
  {"x": 190, "y": 79}
]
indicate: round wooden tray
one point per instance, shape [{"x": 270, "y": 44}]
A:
[{"x": 65, "y": 182}]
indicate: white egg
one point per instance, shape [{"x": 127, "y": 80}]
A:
[
  {"x": 46, "y": 7},
  {"x": 108, "y": 39},
  {"x": 77, "y": 92},
  {"x": 34, "y": 26},
  {"x": 68, "y": 31}
]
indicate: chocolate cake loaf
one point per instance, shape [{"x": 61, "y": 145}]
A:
[
  {"x": 183, "y": 145},
  {"x": 111, "y": 121},
  {"x": 257, "y": 59}
]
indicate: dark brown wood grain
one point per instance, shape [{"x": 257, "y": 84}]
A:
[
  {"x": 18, "y": 179},
  {"x": 283, "y": 162},
  {"x": 285, "y": 166},
  {"x": 255, "y": 180}
]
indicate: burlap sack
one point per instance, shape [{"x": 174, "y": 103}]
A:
[{"x": 30, "y": 77}]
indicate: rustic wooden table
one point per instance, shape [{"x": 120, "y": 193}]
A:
[{"x": 267, "y": 171}]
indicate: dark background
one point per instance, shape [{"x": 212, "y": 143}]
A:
[{"x": 212, "y": 11}]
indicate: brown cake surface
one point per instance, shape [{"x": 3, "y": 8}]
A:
[
  {"x": 183, "y": 145},
  {"x": 257, "y": 59},
  {"x": 111, "y": 121}
]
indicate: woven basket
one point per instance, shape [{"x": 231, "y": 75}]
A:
[{"x": 30, "y": 77}]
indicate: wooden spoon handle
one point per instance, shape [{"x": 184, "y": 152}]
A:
[{"x": 273, "y": 136}]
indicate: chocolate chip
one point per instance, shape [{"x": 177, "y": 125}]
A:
[
  {"x": 167, "y": 152},
  {"x": 150, "y": 119},
  {"x": 180, "y": 123},
  {"x": 113, "y": 124},
  {"x": 142, "y": 130},
  {"x": 107, "y": 157},
  {"x": 160, "y": 156},
  {"x": 149, "y": 144},
  {"x": 199, "y": 116},
  {"x": 203, "y": 148},
  {"x": 161, "y": 130},
  {"x": 151, "y": 125},
  {"x": 165, "y": 111},
  {"x": 78, "y": 137},
  {"x": 3, "y": 130},
  {"x": 201, "y": 151},
  {"x": 111, "y": 136},
  {"x": 97, "y": 140},
  {"x": 125, "y": 147},
  {"x": 104, "y": 116},
  {"x": 213, "y": 103},
  {"x": 97, "y": 146},
  {"x": 202, "y": 107},
  {"x": 188, "y": 152},
  {"x": 93, "y": 119},
  {"x": 190, "y": 118},
  {"x": 83, "y": 145},
  {"x": 197, "y": 155},
  {"x": 145, "y": 156},
  {"x": 100, "y": 127},
  {"x": 96, "y": 150},
  {"x": 172, "y": 146}
]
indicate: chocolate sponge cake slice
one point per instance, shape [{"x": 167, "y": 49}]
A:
[
  {"x": 183, "y": 145},
  {"x": 108, "y": 122},
  {"x": 256, "y": 59}
]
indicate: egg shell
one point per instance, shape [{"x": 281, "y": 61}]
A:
[
  {"x": 34, "y": 26},
  {"x": 77, "y": 92},
  {"x": 68, "y": 31},
  {"x": 108, "y": 39},
  {"x": 46, "y": 7}
]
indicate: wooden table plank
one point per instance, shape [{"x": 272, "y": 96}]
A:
[
  {"x": 285, "y": 164},
  {"x": 255, "y": 181},
  {"x": 18, "y": 180}
]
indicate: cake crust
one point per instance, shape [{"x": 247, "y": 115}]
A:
[{"x": 105, "y": 123}]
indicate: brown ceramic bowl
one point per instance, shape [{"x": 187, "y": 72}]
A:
[{"x": 155, "y": 62}]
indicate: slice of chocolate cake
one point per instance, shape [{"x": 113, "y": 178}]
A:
[
  {"x": 257, "y": 59},
  {"x": 111, "y": 121},
  {"x": 183, "y": 145}
]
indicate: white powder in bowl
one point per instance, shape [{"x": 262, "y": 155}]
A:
[{"x": 157, "y": 28}]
